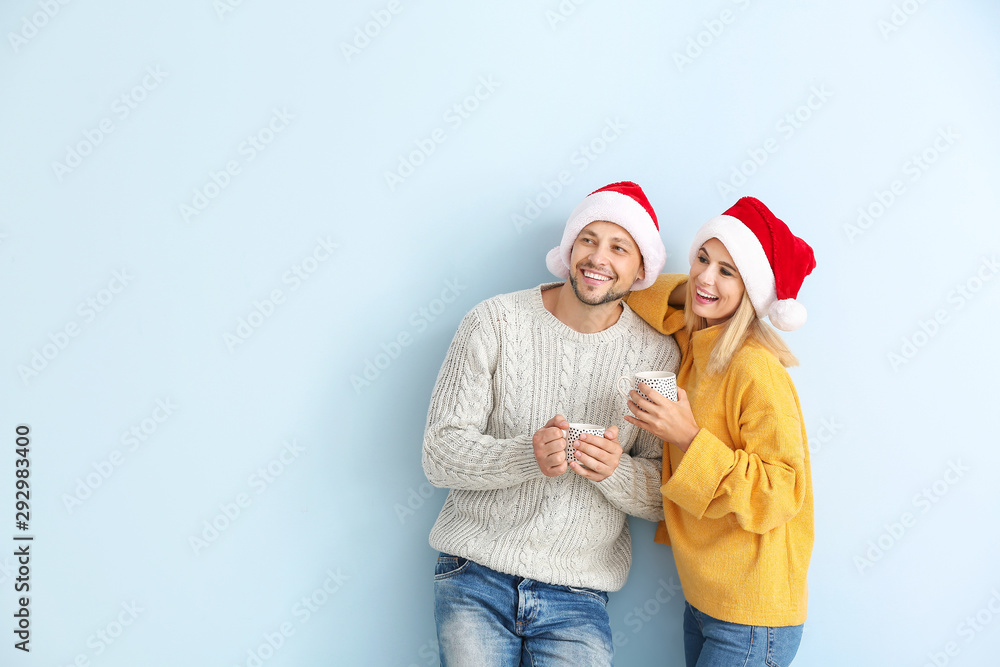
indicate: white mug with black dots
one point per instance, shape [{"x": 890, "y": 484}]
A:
[
  {"x": 662, "y": 382},
  {"x": 573, "y": 433}
]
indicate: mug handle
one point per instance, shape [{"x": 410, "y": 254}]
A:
[{"x": 628, "y": 386}]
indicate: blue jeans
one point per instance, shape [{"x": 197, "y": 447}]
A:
[
  {"x": 709, "y": 642},
  {"x": 489, "y": 619}
]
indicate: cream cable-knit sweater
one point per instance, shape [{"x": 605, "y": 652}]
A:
[{"x": 511, "y": 367}]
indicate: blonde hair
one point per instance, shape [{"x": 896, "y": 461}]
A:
[{"x": 742, "y": 326}]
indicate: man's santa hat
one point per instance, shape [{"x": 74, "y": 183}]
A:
[
  {"x": 772, "y": 261},
  {"x": 624, "y": 204}
]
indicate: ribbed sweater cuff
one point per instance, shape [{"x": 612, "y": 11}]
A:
[
  {"x": 523, "y": 463},
  {"x": 618, "y": 484},
  {"x": 692, "y": 485}
]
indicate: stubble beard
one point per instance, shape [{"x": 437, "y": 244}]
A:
[{"x": 609, "y": 297}]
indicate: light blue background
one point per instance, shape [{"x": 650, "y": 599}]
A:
[{"x": 354, "y": 501}]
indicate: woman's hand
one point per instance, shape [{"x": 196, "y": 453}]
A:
[
  {"x": 668, "y": 420},
  {"x": 597, "y": 458}
]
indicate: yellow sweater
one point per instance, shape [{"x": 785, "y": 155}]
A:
[{"x": 738, "y": 506}]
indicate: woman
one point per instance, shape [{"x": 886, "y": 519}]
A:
[{"x": 737, "y": 491}]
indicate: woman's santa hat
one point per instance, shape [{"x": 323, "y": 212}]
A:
[
  {"x": 625, "y": 204},
  {"x": 772, "y": 261}
]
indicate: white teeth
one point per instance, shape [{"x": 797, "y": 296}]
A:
[
  {"x": 705, "y": 295},
  {"x": 595, "y": 276}
]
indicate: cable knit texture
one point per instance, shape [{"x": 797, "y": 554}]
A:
[{"x": 511, "y": 367}]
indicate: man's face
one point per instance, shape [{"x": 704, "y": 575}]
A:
[{"x": 604, "y": 264}]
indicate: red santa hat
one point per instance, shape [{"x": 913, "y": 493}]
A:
[
  {"x": 625, "y": 204},
  {"x": 772, "y": 261}
]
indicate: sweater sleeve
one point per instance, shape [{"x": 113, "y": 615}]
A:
[
  {"x": 651, "y": 303},
  {"x": 762, "y": 483},
  {"x": 457, "y": 453},
  {"x": 634, "y": 486}
]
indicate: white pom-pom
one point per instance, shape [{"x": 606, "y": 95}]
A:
[
  {"x": 556, "y": 264},
  {"x": 787, "y": 314}
]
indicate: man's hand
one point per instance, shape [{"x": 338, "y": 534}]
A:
[
  {"x": 599, "y": 456},
  {"x": 549, "y": 443}
]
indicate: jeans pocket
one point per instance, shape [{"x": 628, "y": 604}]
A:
[
  {"x": 695, "y": 616},
  {"x": 591, "y": 592},
  {"x": 782, "y": 645},
  {"x": 449, "y": 566}
]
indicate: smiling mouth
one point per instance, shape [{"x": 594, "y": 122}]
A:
[
  {"x": 704, "y": 297},
  {"x": 595, "y": 276}
]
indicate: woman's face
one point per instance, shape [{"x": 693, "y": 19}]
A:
[{"x": 716, "y": 286}]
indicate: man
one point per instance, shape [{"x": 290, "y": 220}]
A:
[{"x": 531, "y": 543}]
